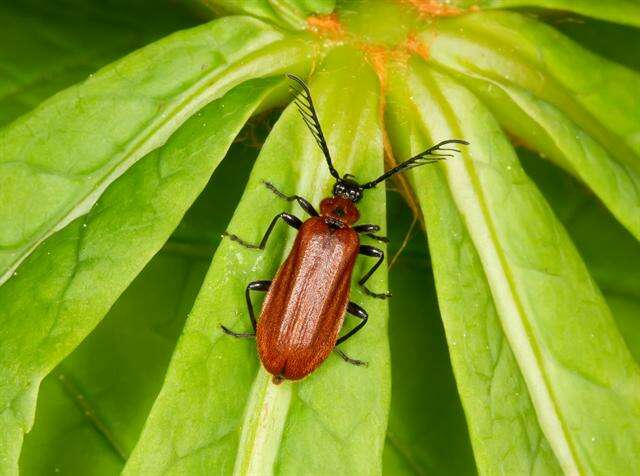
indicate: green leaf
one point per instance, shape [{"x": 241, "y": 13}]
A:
[
  {"x": 487, "y": 220},
  {"x": 610, "y": 252},
  {"x": 568, "y": 104},
  {"x": 285, "y": 13},
  {"x": 58, "y": 159},
  {"x": 118, "y": 369},
  {"x": 48, "y": 46},
  {"x": 218, "y": 410},
  {"x": 626, "y": 12},
  {"x": 427, "y": 432},
  {"x": 91, "y": 408},
  {"x": 45, "y": 315}
]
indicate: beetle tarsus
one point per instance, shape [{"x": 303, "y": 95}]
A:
[
  {"x": 369, "y": 292},
  {"x": 288, "y": 218},
  {"x": 383, "y": 239},
  {"x": 349, "y": 360},
  {"x": 239, "y": 240},
  {"x": 237, "y": 335},
  {"x": 303, "y": 202}
]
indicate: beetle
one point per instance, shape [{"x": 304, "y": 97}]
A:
[{"x": 306, "y": 302}]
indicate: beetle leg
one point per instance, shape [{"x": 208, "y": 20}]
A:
[
  {"x": 237, "y": 335},
  {"x": 372, "y": 251},
  {"x": 253, "y": 286},
  {"x": 289, "y": 219},
  {"x": 303, "y": 202},
  {"x": 360, "y": 313},
  {"x": 349, "y": 360},
  {"x": 368, "y": 229},
  {"x": 354, "y": 309}
]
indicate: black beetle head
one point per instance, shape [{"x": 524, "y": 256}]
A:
[{"x": 348, "y": 188}]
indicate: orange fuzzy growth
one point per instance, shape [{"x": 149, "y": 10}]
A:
[
  {"x": 377, "y": 57},
  {"x": 416, "y": 46},
  {"x": 326, "y": 25},
  {"x": 435, "y": 8}
]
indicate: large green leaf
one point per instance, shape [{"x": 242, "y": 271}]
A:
[
  {"x": 626, "y": 12},
  {"x": 91, "y": 408},
  {"x": 44, "y": 314},
  {"x": 427, "y": 433},
  {"x": 572, "y": 106},
  {"x": 57, "y": 160},
  {"x": 46, "y": 46},
  {"x": 218, "y": 410},
  {"x": 484, "y": 210},
  {"x": 610, "y": 252},
  {"x": 117, "y": 371},
  {"x": 286, "y": 13}
]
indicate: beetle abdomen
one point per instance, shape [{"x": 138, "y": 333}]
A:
[{"x": 305, "y": 306}]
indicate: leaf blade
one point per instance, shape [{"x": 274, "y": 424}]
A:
[
  {"x": 111, "y": 244},
  {"x": 519, "y": 271},
  {"x": 56, "y": 169},
  {"x": 586, "y": 123},
  {"x": 625, "y": 12}
]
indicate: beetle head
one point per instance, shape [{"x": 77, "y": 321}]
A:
[{"x": 348, "y": 188}]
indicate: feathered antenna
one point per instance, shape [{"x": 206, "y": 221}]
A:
[
  {"x": 429, "y": 156},
  {"x": 302, "y": 99}
]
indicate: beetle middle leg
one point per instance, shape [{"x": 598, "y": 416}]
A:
[
  {"x": 368, "y": 230},
  {"x": 303, "y": 202},
  {"x": 374, "y": 252},
  {"x": 288, "y": 218},
  {"x": 253, "y": 286},
  {"x": 355, "y": 310}
]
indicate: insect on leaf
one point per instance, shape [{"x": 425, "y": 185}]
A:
[{"x": 231, "y": 417}]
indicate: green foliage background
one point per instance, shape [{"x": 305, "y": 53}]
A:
[{"x": 115, "y": 194}]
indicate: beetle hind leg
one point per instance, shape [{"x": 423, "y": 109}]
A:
[
  {"x": 374, "y": 252},
  {"x": 237, "y": 335},
  {"x": 360, "y": 313},
  {"x": 253, "y": 286},
  {"x": 350, "y": 360}
]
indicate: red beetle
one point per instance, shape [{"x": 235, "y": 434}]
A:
[{"x": 306, "y": 302}]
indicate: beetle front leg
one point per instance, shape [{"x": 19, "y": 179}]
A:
[
  {"x": 374, "y": 252},
  {"x": 303, "y": 202},
  {"x": 289, "y": 219},
  {"x": 368, "y": 230},
  {"x": 253, "y": 286}
]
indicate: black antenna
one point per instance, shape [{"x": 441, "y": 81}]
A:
[
  {"x": 429, "y": 156},
  {"x": 302, "y": 98}
]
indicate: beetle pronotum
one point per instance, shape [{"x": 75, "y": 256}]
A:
[{"x": 304, "y": 309}]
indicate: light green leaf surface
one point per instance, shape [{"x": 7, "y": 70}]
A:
[
  {"x": 91, "y": 408},
  {"x": 427, "y": 432},
  {"x": 583, "y": 383},
  {"x": 218, "y": 411},
  {"x": 626, "y": 12},
  {"x": 119, "y": 368},
  {"x": 47, "y": 45},
  {"x": 44, "y": 314},
  {"x": 285, "y": 13},
  {"x": 609, "y": 251},
  {"x": 57, "y": 160},
  {"x": 572, "y": 106}
]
